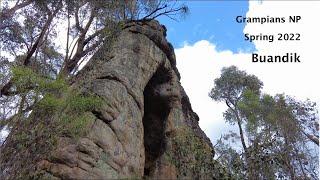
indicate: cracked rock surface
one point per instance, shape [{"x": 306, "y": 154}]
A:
[{"x": 145, "y": 127}]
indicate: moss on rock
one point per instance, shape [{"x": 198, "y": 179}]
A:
[{"x": 192, "y": 156}]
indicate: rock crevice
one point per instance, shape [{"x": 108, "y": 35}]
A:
[{"x": 145, "y": 126}]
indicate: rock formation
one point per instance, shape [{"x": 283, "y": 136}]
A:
[{"x": 144, "y": 128}]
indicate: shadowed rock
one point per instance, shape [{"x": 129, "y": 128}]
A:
[{"x": 145, "y": 127}]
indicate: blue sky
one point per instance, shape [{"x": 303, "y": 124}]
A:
[
  {"x": 213, "y": 21},
  {"x": 209, "y": 39}
]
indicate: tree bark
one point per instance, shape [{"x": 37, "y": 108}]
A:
[
  {"x": 312, "y": 138},
  {"x": 250, "y": 166}
]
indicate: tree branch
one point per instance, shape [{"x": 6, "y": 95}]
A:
[
  {"x": 71, "y": 63},
  {"x": 5, "y": 90},
  {"x": 78, "y": 26},
  {"x": 9, "y": 12},
  {"x": 154, "y": 11},
  {"x": 314, "y": 139}
]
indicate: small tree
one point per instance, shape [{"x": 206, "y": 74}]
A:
[
  {"x": 278, "y": 134},
  {"x": 231, "y": 88}
]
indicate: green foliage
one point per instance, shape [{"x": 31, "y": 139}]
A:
[
  {"x": 26, "y": 79},
  {"x": 229, "y": 158},
  {"x": 64, "y": 114},
  {"x": 250, "y": 107},
  {"x": 67, "y": 111},
  {"x": 233, "y": 83},
  {"x": 81, "y": 103},
  {"x": 72, "y": 108},
  {"x": 75, "y": 125},
  {"x": 23, "y": 73},
  {"x": 51, "y": 104},
  {"x": 73, "y": 111},
  {"x": 249, "y": 101},
  {"x": 58, "y": 99},
  {"x": 57, "y": 86},
  {"x": 241, "y": 93},
  {"x": 278, "y": 129}
]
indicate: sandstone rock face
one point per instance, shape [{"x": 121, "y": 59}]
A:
[{"x": 145, "y": 128}]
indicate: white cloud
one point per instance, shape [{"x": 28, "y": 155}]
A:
[
  {"x": 200, "y": 63},
  {"x": 300, "y": 79}
]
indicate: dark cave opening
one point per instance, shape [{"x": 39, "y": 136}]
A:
[{"x": 156, "y": 111}]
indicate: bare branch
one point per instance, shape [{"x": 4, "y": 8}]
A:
[
  {"x": 92, "y": 36},
  {"x": 71, "y": 63},
  {"x": 9, "y": 12},
  {"x": 154, "y": 11},
  {"x": 93, "y": 47},
  {"x": 78, "y": 26}
]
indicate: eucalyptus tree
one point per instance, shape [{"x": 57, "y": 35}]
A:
[
  {"x": 231, "y": 88},
  {"x": 278, "y": 133}
]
